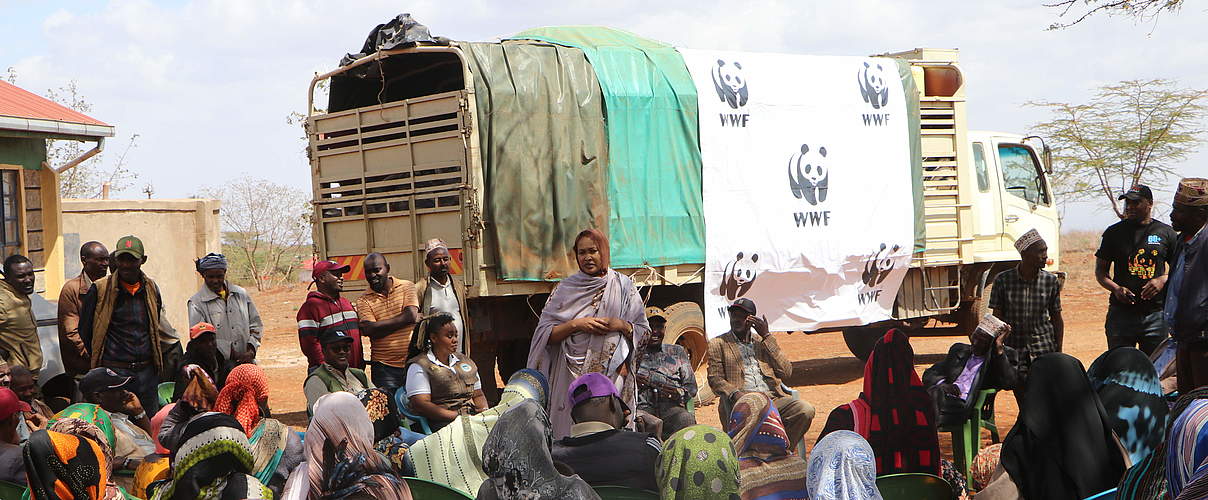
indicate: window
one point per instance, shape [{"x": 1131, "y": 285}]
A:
[
  {"x": 983, "y": 173},
  {"x": 1021, "y": 174},
  {"x": 10, "y": 216}
]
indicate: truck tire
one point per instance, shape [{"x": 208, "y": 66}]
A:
[{"x": 860, "y": 339}]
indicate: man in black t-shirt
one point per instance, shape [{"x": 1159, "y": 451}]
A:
[
  {"x": 1139, "y": 250},
  {"x": 598, "y": 449}
]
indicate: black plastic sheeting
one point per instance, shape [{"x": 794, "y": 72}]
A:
[{"x": 400, "y": 32}]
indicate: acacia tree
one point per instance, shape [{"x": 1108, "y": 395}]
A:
[
  {"x": 1131, "y": 132},
  {"x": 266, "y": 223},
  {"x": 1141, "y": 10}
]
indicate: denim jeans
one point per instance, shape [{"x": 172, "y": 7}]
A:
[
  {"x": 1128, "y": 328},
  {"x": 388, "y": 378}
]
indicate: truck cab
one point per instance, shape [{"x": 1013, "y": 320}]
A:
[{"x": 1013, "y": 195}]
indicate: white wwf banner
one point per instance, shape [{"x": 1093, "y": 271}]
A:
[{"x": 807, "y": 187}]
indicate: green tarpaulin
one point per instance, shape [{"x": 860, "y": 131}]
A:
[
  {"x": 541, "y": 132},
  {"x": 654, "y": 167},
  {"x": 911, "y": 90}
]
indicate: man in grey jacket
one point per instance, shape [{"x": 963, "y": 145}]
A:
[
  {"x": 229, "y": 308},
  {"x": 1187, "y": 291}
]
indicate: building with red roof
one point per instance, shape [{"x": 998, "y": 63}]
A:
[{"x": 30, "y": 212}]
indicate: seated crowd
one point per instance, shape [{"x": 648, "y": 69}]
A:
[{"x": 602, "y": 403}]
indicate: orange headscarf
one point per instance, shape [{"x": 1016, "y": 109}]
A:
[
  {"x": 601, "y": 244},
  {"x": 245, "y": 388}
]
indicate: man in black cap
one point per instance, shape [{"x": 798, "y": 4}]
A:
[
  {"x": 748, "y": 359},
  {"x": 335, "y": 374},
  {"x": 665, "y": 379},
  {"x": 131, "y": 425},
  {"x": 1139, "y": 250}
]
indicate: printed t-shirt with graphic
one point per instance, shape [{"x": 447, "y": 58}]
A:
[{"x": 1138, "y": 253}]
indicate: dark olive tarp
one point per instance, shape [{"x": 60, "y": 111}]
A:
[
  {"x": 543, "y": 147},
  {"x": 654, "y": 166}
]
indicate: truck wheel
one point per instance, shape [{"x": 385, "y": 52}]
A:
[{"x": 860, "y": 340}]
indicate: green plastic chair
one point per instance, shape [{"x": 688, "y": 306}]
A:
[
  {"x": 966, "y": 437},
  {"x": 624, "y": 493},
  {"x": 914, "y": 486},
  {"x": 429, "y": 490},
  {"x": 11, "y": 490},
  {"x": 166, "y": 391}
]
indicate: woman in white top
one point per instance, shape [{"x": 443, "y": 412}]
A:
[{"x": 440, "y": 385}]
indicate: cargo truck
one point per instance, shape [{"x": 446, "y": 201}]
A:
[{"x": 398, "y": 156}]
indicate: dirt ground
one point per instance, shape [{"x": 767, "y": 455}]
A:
[{"x": 824, "y": 372}]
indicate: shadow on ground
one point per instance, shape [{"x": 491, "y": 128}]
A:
[{"x": 840, "y": 370}]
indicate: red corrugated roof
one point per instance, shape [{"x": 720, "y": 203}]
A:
[{"x": 20, "y": 103}]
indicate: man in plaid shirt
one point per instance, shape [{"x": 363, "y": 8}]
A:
[{"x": 1028, "y": 299}]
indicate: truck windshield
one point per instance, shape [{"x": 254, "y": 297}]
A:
[{"x": 1021, "y": 174}]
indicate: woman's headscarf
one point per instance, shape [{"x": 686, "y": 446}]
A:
[
  {"x": 611, "y": 295},
  {"x": 213, "y": 461},
  {"x": 698, "y": 462},
  {"x": 1128, "y": 387},
  {"x": 1187, "y": 453},
  {"x": 453, "y": 454},
  {"x": 339, "y": 449},
  {"x": 766, "y": 468},
  {"x": 1062, "y": 445},
  {"x": 601, "y": 242},
  {"x": 842, "y": 467},
  {"x": 65, "y": 467},
  {"x": 1147, "y": 480},
  {"x": 92, "y": 414},
  {"x": 377, "y": 406},
  {"x": 517, "y": 461},
  {"x": 245, "y": 390},
  {"x": 80, "y": 428},
  {"x": 894, "y": 413}
]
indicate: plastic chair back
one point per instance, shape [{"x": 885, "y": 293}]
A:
[
  {"x": 11, "y": 490},
  {"x": 624, "y": 493},
  {"x": 914, "y": 486},
  {"x": 1106, "y": 495},
  {"x": 166, "y": 391},
  {"x": 429, "y": 490},
  {"x": 400, "y": 401}
]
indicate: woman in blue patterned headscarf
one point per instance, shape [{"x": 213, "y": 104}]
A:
[
  {"x": 1127, "y": 384},
  {"x": 842, "y": 466}
]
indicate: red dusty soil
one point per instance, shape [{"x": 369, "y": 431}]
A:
[{"x": 824, "y": 372}]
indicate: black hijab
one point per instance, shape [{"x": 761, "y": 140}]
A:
[
  {"x": 1128, "y": 386},
  {"x": 1062, "y": 445}
]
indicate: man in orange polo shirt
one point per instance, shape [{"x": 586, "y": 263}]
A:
[{"x": 388, "y": 313}]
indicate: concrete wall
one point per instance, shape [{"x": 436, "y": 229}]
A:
[{"x": 174, "y": 233}]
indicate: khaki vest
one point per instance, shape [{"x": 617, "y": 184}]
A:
[{"x": 451, "y": 389}]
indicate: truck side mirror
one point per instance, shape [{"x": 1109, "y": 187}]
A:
[{"x": 1048, "y": 159}]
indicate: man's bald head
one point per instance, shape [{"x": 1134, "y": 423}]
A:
[{"x": 95, "y": 258}]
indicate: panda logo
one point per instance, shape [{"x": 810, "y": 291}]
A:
[
  {"x": 738, "y": 276},
  {"x": 731, "y": 83},
  {"x": 878, "y": 266},
  {"x": 872, "y": 85},
  {"x": 808, "y": 177}
]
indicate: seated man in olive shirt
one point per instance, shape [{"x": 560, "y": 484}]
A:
[{"x": 598, "y": 449}]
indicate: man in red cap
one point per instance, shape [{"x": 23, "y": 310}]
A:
[
  {"x": 12, "y": 465},
  {"x": 325, "y": 308}
]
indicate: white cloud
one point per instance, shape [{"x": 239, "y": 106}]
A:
[{"x": 208, "y": 83}]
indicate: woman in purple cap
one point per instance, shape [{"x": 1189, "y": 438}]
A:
[{"x": 593, "y": 322}]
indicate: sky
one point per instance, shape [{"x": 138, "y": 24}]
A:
[{"x": 207, "y": 84}]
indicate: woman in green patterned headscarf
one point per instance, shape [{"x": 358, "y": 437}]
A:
[
  {"x": 92, "y": 414},
  {"x": 698, "y": 462}
]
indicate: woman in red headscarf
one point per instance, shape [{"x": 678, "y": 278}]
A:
[
  {"x": 276, "y": 448},
  {"x": 593, "y": 321}
]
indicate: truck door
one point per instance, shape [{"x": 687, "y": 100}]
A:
[
  {"x": 1027, "y": 200},
  {"x": 988, "y": 218}
]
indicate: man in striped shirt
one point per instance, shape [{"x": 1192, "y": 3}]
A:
[{"x": 325, "y": 308}]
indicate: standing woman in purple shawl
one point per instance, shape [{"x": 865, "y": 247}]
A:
[{"x": 593, "y": 322}]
